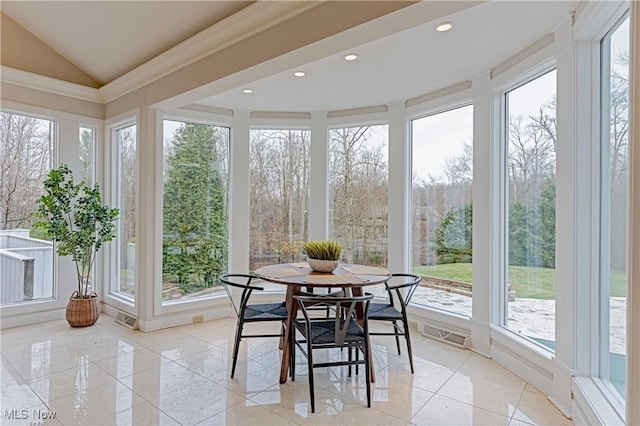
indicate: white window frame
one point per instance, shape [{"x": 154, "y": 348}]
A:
[
  {"x": 601, "y": 213},
  {"x": 594, "y": 401},
  {"x": 208, "y": 303},
  {"x": 111, "y": 186},
  {"x": 457, "y": 100}
]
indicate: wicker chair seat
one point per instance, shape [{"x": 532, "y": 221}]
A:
[
  {"x": 266, "y": 312},
  {"x": 324, "y": 332},
  {"x": 383, "y": 311}
]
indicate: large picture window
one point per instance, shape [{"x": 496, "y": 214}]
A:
[
  {"x": 26, "y": 256},
  {"x": 614, "y": 207},
  {"x": 279, "y": 195},
  {"x": 442, "y": 176},
  {"x": 194, "y": 225},
  {"x": 531, "y": 205},
  {"x": 359, "y": 181}
]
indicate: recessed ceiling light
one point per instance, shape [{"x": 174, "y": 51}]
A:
[
  {"x": 247, "y": 90},
  {"x": 350, "y": 57},
  {"x": 299, "y": 73},
  {"x": 444, "y": 26}
]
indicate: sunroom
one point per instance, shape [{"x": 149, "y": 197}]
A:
[{"x": 495, "y": 156}]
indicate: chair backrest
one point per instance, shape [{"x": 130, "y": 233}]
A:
[
  {"x": 344, "y": 309},
  {"x": 403, "y": 285},
  {"x": 240, "y": 281}
]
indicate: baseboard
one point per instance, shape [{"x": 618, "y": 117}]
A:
[{"x": 20, "y": 320}]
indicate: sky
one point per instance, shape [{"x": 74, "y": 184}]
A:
[{"x": 438, "y": 137}]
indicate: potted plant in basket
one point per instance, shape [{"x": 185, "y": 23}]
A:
[
  {"x": 322, "y": 255},
  {"x": 74, "y": 217}
]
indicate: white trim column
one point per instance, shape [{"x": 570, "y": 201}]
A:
[
  {"x": 486, "y": 206},
  {"x": 399, "y": 190},
  {"x": 318, "y": 214},
  {"x": 633, "y": 300},
  {"x": 239, "y": 193},
  {"x": 145, "y": 217},
  {"x": 570, "y": 219}
]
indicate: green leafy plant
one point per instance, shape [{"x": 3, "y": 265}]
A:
[
  {"x": 322, "y": 249},
  {"x": 74, "y": 217}
]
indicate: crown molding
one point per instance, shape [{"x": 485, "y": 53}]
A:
[
  {"x": 247, "y": 22},
  {"x": 50, "y": 85}
]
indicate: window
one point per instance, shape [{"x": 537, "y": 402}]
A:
[
  {"x": 194, "y": 225},
  {"x": 125, "y": 144},
  {"x": 358, "y": 175},
  {"x": 442, "y": 175},
  {"x": 26, "y": 256},
  {"x": 614, "y": 206},
  {"x": 279, "y": 195},
  {"x": 531, "y": 204}
]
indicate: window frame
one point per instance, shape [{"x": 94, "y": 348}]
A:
[
  {"x": 207, "y": 303},
  {"x": 595, "y": 400},
  {"x": 535, "y": 65},
  {"x": 601, "y": 212},
  {"x": 460, "y": 100},
  {"x": 451, "y": 98},
  {"x": 111, "y": 274}
]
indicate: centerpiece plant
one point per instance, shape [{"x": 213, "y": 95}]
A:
[
  {"x": 74, "y": 217},
  {"x": 323, "y": 249},
  {"x": 322, "y": 255}
]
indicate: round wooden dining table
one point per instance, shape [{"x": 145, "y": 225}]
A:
[{"x": 351, "y": 278}]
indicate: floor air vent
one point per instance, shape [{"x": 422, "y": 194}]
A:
[
  {"x": 127, "y": 320},
  {"x": 446, "y": 336}
]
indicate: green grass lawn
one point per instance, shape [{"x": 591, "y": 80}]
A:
[{"x": 528, "y": 282}]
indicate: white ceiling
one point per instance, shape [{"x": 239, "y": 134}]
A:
[{"x": 108, "y": 39}]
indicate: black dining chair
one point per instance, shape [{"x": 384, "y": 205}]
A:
[
  {"x": 400, "y": 289},
  {"x": 341, "y": 331},
  {"x": 250, "y": 312}
]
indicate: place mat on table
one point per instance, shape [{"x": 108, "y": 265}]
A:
[
  {"x": 333, "y": 279},
  {"x": 284, "y": 272},
  {"x": 299, "y": 265},
  {"x": 365, "y": 270}
]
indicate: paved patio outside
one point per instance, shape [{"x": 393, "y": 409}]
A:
[{"x": 531, "y": 317}]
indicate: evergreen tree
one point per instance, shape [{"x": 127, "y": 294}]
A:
[
  {"x": 454, "y": 236},
  {"x": 195, "y": 234},
  {"x": 548, "y": 229}
]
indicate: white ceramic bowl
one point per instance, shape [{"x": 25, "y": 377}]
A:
[{"x": 323, "y": 265}]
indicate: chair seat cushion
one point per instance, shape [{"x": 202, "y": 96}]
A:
[
  {"x": 383, "y": 311},
  {"x": 324, "y": 331},
  {"x": 266, "y": 312}
]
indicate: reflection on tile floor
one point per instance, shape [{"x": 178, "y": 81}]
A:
[{"x": 109, "y": 375}]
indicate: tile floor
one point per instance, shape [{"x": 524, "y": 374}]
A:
[{"x": 109, "y": 375}]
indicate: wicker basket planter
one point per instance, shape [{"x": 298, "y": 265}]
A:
[{"x": 83, "y": 312}]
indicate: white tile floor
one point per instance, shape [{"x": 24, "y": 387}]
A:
[{"x": 109, "y": 375}]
